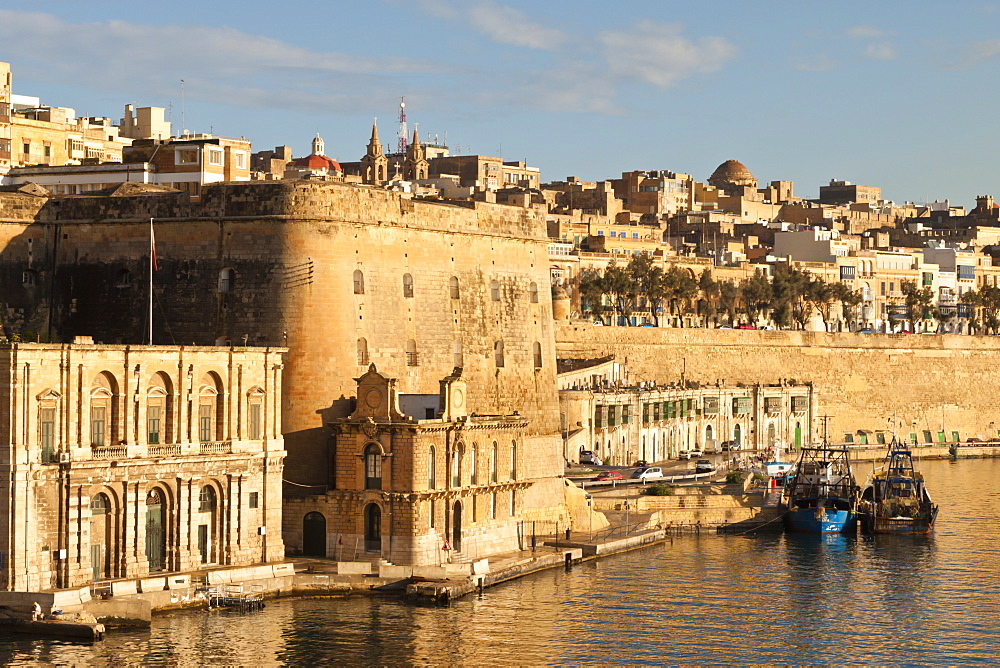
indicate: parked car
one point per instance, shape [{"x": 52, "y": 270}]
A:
[
  {"x": 647, "y": 473},
  {"x": 730, "y": 446},
  {"x": 723, "y": 327},
  {"x": 610, "y": 475},
  {"x": 589, "y": 457},
  {"x": 746, "y": 326},
  {"x": 689, "y": 454},
  {"x": 704, "y": 466},
  {"x": 641, "y": 462},
  {"x": 866, "y": 330}
]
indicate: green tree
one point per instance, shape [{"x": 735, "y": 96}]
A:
[
  {"x": 917, "y": 302},
  {"x": 709, "y": 302},
  {"x": 756, "y": 294}
]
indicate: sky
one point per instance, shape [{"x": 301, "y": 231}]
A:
[{"x": 897, "y": 95}]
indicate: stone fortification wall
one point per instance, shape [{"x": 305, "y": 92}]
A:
[
  {"x": 931, "y": 383},
  {"x": 273, "y": 263}
]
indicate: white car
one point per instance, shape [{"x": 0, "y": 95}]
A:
[
  {"x": 589, "y": 457},
  {"x": 690, "y": 454},
  {"x": 647, "y": 473}
]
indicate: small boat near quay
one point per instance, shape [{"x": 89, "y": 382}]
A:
[
  {"x": 895, "y": 498},
  {"x": 822, "y": 495}
]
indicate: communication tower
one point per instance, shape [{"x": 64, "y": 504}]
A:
[{"x": 401, "y": 148}]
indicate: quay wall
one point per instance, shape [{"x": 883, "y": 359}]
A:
[{"x": 930, "y": 383}]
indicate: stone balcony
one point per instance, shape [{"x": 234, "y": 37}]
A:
[{"x": 144, "y": 451}]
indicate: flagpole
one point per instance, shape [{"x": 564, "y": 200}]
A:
[{"x": 152, "y": 260}]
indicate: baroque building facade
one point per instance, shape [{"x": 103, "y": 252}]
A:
[
  {"x": 415, "y": 489},
  {"x": 122, "y": 462}
]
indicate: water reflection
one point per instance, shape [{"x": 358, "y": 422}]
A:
[{"x": 787, "y": 599}]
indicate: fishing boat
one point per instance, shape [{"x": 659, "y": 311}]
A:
[
  {"x": 822, "y": 495},
  {"x": 895, "y": 499}
]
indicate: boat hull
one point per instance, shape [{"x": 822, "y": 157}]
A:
[
  {"x": 810, "y": 520},
  {"x": 898, "y": 525}
]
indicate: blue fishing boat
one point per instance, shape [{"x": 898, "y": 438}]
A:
[
  {"x": 895, "y": 498},
  {"x": 822, "y": 495}
]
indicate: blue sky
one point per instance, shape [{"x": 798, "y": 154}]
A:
[{"x": 896, "y": 95}]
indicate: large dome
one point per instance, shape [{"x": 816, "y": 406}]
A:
[{"x": 732, "y": 172}]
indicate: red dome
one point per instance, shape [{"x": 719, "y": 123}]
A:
[{"x": 318, "y": 162}]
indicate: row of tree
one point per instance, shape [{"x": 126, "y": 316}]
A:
[{"x": 788, "y": 299}]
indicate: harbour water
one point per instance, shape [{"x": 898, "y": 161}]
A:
[{"x": 787, "y": 599}]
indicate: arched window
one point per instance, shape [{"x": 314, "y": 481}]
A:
[
  {"x": 536, "y": 354},
  {"x": 124, "y": 278},
  {"x": 104, "y": 403},
  {"x": 373, "y": 467},
  {"x": 513, "y": 503},
  {"x": 211, "y": 409},
  {"x": 456, "y": 468},
  {"x": 494, "y": 291},
  {"x": 498, "y": 353},
  {"x": 160, "y": 410},
  {"x": 99, "y": 505},
  {"x": 411, "y": 353},
  {"x": 513, "y": 460},
  {"x": 495, "y": 462},
  {"x": 432, "y": 468},
  {"x": 407, "y": 286},
  {"x": 473, "y": 464},
  {"x": 456, "y": 354},
  {"x": 493, "y": 505},
  {"x": 206, "y": 499},
  {"x": 708, "y": 433},
  {"x": 227, "y": 280},
  {"x": 362, "y": 352},
  {"x": 359, "y": 282},
  {"x": 453, "y": 287},
  {"x": 533, "y": 293}
]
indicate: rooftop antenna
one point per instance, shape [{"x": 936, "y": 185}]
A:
[
  {"x": 183, "y": 122},
  {"x": 402, "y": 126}
]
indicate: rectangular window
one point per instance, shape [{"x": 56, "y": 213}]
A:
[
  {"x": 254, "y": 428},
  {"x": 741, "y": 405},
  {"x": 600, "y": 233},
  {"x": 47, "y": 432},
  {"x": 598, "y": 416},
  {"x": 253, "y": 500},
  {"x": 966, "y": 273},
  {"x": 240, "y": 159},
  {"x": 205, "y": 423},
  {"x": 626, "y": 414},
  {"x": 711, "y": 405},
  {"x": 800, "y": 404},
  {"x": 186, "y": 156},
  {"x": 846, "y": 273},
  {"x": 635, "y": 235},
  {"x": 215, "y": 157},
  {"x": 772, "y": 404},
  {"x": 848, "y": 438},
  {"x": 883, "y": 289},
  {"x": 97, "y": 425},
  {"x": 656, "y": 411},
  {"x": 612, "y": 415},
  {"x": 928, "y": 278},
  {"x": 153, "y": 424},
  {"x": 645, "y": 413}
]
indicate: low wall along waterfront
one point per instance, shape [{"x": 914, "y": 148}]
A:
[{"x": 931, "y": 383}]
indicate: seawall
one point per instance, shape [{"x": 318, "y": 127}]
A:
[{"x": 930, "y": 383}]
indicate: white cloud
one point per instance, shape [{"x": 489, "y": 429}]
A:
[
  {"x": 219, "y": 64},
  {"x": 865, "y": 31},
  {"x": 883, "y": 51},
  {"x": 817, "y": 64},
  {"x": 659, "y": 54},
  {"x": 979, "y": 52},
  {"x": 506, "y": 25}
]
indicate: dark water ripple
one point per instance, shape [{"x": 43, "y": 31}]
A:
[{"x": 788, "y": 600}]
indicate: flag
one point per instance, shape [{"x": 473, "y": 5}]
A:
[{"x": 152, "y": 246}]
